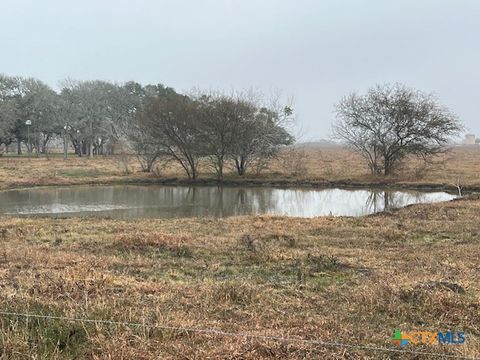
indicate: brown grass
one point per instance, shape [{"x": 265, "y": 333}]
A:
[
  {"x": 459, "y": 164},
  {"x": 332, "y": 164},
  {"x": 352, "y": 280}
]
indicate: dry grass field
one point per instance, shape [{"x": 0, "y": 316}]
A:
[
  {"x": 347, "y": 280},
  {"x": 351, "y": 280},
  {"x": 461, "y": 165}
]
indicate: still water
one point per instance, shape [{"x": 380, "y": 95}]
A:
[{"x": 177, "y": 201}]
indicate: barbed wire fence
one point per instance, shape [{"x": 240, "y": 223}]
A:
[{"x": 221, "y": 333}]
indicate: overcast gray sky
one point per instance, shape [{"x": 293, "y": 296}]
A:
[{"x": 315, "y": 51}]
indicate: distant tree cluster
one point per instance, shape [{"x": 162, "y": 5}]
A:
[
  {"x": 217, "y": 127},
  {"x": 24, "y": 99},
  {"x": 154, "y": 122},
  {"x": 391, "y": 122},
  {"x": 89, "y": 113}
]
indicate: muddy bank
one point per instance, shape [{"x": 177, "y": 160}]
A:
[
  {"x": 318, "y": 184},
  {"x": 251, "y": 182}
]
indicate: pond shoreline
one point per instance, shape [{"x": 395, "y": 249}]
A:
[
  {"x": 152, "y": 201},
  {"x": 257, "y": 182}
]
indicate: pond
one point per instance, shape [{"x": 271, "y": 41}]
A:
[{"x": 131, "y": 201}]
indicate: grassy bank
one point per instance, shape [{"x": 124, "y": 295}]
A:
[
  {"x": 350, "y": 280},
  {"x": 328, "y": 166}
]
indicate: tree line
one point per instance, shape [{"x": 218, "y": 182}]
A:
[
  {"x": 151, "y": 121},
  {"x": 385, "y": 125}
]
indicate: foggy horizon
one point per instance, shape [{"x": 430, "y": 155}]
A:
[{"x": 314, "y": 53}]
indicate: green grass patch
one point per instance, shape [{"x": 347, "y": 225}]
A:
[
  {"x": 81, "y": 173},
  {"x": 46, "y": 338}
]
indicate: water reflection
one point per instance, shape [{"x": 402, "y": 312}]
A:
[
  {"x": 379, "y": 201},
  {"x": 170, "y": 201}
]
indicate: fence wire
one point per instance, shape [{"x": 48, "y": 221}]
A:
[{"x": 221, "y": 333}]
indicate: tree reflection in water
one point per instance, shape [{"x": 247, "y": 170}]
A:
[
  {"x": 178, "y": 201},
  {"x": 379, "y": 201}
]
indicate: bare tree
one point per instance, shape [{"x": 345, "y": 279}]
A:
[
  {"x": 172, "y": 122},
  {"x": 391, "y": 122},
  {"x": 146, "y": 148},
  {"x": 98, "y": 113},
  {"x": 86, "y": 102},
  {"x": 221, "y": 118},
  {"x": 259, "y": 137}
]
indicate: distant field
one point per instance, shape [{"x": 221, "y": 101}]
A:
[
  {"x": 461, "y": 163},
  {"x": 460, "y": 166}
]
